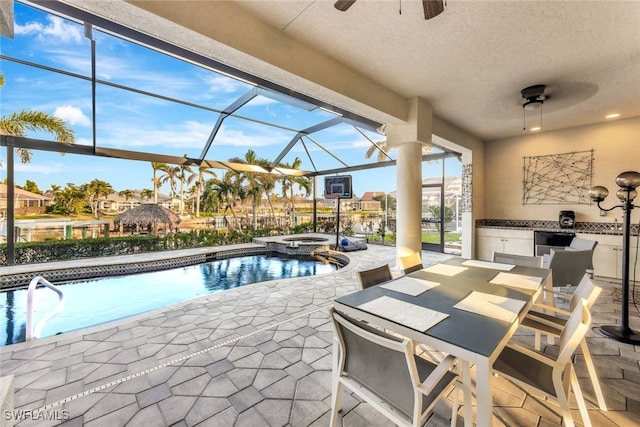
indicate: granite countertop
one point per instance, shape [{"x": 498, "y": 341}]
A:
[{"x": 602, "y": 228}]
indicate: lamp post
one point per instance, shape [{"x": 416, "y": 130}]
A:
[{"x": 628, "y": 182}]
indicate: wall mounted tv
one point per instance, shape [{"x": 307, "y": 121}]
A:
[{"x": 338, "y": 187}]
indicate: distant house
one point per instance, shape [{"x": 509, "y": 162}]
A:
[
  {"x": 26, "y": 202},
  {"x": 368, "y": 203}
]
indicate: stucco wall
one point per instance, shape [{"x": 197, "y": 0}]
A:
[{"x": 616, "y": 148}]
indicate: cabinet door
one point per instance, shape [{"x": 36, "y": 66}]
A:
[
  {"x": 487, "y": 245},
  {"x": 518, "y": 246},
  {"x": 607, "y": 260}
]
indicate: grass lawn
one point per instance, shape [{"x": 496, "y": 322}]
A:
[{"x": 434, "y": 237}]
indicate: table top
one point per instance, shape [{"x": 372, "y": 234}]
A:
[{"x": 474, "y": 332}]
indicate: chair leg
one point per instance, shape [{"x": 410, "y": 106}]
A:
[
  {"x": 582, "y": 406},
  {"x": 593, "y": 375},
  {"x": 563, "y": 398},
  {"x": 336, "y": 385},
  {"x": 336, "y": 403}
]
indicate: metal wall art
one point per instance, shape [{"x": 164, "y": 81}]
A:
[{"x": 558, "y": 179}]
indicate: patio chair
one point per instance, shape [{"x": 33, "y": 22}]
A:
[
  {"x": 553, "y": 320},
  {"x": 382, "y": 370},
  {"x": 553, "y": 377},
  {"x": 374, "y": 276},
  {"x": 569, "y": 266},
  {"x": 577, "y": 244},
  {"x": 523, "y": 260},
  {"x": 410, "y": 263}
]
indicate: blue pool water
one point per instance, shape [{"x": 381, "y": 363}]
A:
[{"x": 89, "y": 303}]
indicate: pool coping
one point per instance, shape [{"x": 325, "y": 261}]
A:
[
  {"x": 17, "y": 276},
  {"x": 162, "y": 310}
]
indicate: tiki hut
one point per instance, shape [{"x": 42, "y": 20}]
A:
[{"x": 148, "y": 217}]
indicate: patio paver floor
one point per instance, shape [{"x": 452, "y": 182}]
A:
[{"x": 260, "y": 355}]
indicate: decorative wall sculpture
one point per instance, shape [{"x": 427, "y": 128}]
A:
[
  {"x": 467, "y": 188},
  {"x": 557, "y": 179}
]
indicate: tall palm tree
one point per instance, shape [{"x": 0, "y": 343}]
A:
[
  {"x": 228, "y": 191},
  {"x": 185, "y": 176},
  {"x": 170, "y": 175},
  {"x": 16, "y": 124},
  {"x": 157, "y": 181},
  {"x": 200, "y": 184},
  {"x": 251, "y": 181},
  {"x": 289, "y": 182},
  {"x": 94, "y": 190}
]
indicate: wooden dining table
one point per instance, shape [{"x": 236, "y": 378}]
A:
[{"x": 466, "y": 308}]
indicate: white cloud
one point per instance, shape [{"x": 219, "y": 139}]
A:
[
  {"x": 56, "y": 28},
  {"x": 224, "y": 84},
  {"x": 72, "y": 115},
  {"x": 43, "y": 169}
]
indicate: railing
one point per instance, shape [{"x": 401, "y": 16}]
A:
[{"x": 32, "y": 332}]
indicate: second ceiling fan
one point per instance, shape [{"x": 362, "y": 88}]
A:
[{"x": 431, "y": 8}]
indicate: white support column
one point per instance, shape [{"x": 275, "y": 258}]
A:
[
  {"x": 409, "y": 140},
  {"x": 409, "y": 199}
]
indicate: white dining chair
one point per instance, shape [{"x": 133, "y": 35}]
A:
[
  {"x": 553, "y": 320},
  {"x": 410, "y": 263},
  {"x": 383, "y": 370},
  {"x": 523, "y": 260},
  {"x": 551, "y": 376}
]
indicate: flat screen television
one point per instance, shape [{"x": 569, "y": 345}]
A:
[{"x": 338, "y": 187}]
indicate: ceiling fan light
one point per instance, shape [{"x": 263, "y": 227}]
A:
[{"x": 533, "y": 104}]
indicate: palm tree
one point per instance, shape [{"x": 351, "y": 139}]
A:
[
  {"x": 186, "y": 176},
  {"x": 290, "y": 181},
  {"x": 228, "y": 191},
  {"x": 251, "y": 181},
  {"x": 200, "y": 184},
  {"x": 146, "y": 194},
  {"x": 157, "y": 182},
  {"x": 170, "y": 175},
  {"x": 16, "y": 124},
  {"x": 127, "y": 194},
  {"x": 94, "y": 190}
]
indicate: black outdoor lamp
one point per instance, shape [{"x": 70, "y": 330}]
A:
[{"x": 628, "y": 182}]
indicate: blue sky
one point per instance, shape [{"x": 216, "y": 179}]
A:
[{"x": 131, "y": 121}]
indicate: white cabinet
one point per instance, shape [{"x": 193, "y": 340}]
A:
[
  {"x": 511, "y": 241},
  {"x": 607, "y": 257}
]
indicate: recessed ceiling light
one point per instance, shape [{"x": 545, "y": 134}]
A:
[
  {"x": 535, "y": 129},
  {"x": 612, "y": 115}
]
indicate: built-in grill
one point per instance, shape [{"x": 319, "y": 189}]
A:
[{"x": 550, "y": 238}]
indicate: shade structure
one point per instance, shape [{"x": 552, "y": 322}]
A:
[{"x": 148, "y": 216}]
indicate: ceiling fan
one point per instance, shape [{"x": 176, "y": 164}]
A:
[
  {"x": 533, "y": 95},
  {"x": 431, "y": 8}
]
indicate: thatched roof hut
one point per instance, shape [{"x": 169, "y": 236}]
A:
[{"x": 148, "y": 216}]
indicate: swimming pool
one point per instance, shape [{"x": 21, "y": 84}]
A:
[{"x": 90, "y": 303}]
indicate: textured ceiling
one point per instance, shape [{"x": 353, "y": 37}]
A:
[
  {"x": 472, "y": 61},
  {"x": 469, "y": 63}
]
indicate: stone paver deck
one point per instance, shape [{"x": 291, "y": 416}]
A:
[{"x": 259, "y": 355}]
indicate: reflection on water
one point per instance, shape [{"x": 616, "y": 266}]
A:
[{"x": 89, "y": 303}]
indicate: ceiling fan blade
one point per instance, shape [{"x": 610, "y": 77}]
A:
[
  {"x": 343, "y": 5},
  {"x": 432, "y": 8}
]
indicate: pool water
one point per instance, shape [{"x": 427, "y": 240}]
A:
[{"x": 90, "y": 303}]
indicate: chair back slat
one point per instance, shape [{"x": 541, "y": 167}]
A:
[
  {"x": 410, "y": 263},
  {"x": 525, "y": 261},
  {"x": 587, "y": 291},
  {"x": 374, "y": 276},
  {"x": 574, "y": 331},
  {"x": 377, "y": 360}
]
